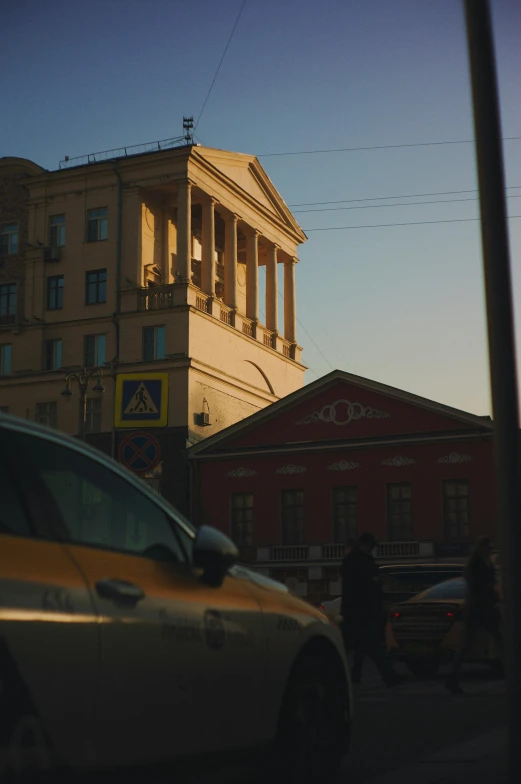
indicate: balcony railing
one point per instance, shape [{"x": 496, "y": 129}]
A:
[
  {"x": 156, "y": 298},
  {"x": 404, "y": 549},
  {"x": 288, "y": 349},
  {"x": 247, "y": 327},
  {"x": 226, "y": 314},
  {"x": 334, "y": 551},
  {"x": 202, "y": 303},
  {"x": 268, "y": 338},
  {"x": 289, "y": 553},
  {"x": 183, "y": 294}
]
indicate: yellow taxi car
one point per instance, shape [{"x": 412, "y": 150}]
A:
[
  {"x": 400, "y": 582},
  {"x": 427, "y": 630},
  {"x": 129, "y": 638}
]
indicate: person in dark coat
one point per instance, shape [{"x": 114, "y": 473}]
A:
[
  {"x": 481, "y": 606},
  {"x": 362, "y": 610}
]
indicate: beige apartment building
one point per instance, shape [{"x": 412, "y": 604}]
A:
[{"x": 147, "y": 264}]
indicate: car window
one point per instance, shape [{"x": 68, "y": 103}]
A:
[
  {"x": 452, "y": 589},
  {"x": 97, "y": 506},
  {"x": 13, "y": 517}
]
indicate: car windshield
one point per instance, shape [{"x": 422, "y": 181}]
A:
[{"x": 450, "y": 589}]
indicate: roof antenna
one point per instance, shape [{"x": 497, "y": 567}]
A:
[{"x": 188, "y": 125}]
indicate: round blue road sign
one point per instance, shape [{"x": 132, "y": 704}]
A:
[{"x": 140, "y": 452}]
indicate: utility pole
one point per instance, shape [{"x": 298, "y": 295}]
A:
[{"x": 501, "y": 345}]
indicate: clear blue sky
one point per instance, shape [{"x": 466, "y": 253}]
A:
[{"x": 402, "y": 305}]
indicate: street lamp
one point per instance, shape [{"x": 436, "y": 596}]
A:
[{"x": 82, "y": 378}]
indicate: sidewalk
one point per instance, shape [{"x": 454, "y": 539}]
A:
[{"x": 481, "y": 760}]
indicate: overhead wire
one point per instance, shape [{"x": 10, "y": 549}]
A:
[
  {"x": 407, "y": 223},
  {"x": 378, "y": 147},
  {"x": 313, "y": 341},
  {"x": 401, "y": 204},
  {"x": 400, "y": 196},
  {"x": 220, "y": 63}
]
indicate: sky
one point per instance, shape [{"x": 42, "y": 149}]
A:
[{"x": 402, "y": 305}]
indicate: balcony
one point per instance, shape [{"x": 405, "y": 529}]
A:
[
  {"x": 156, "y": 298},
  {"x": 179, "y": 295}
]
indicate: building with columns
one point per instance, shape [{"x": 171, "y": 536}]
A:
[{"x": 147, "y": 263}]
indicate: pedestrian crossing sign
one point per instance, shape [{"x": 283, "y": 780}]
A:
[{"x": 141, "y": 400}]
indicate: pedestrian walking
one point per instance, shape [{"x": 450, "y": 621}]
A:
[
  {"x": 362, "y": 610},
  {"x": 481, "y": 607}
]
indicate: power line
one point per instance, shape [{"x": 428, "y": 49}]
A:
[
  {"x": 315, "y": 344},
  {"x": 409, "y": 223},
  {"x": 400, "y": 204},
  {"x": 378, "y": 147},
  {"x": 401, "y": 196},
  {"x": 220, "y": 63},
  {"x": 309, "y": 336}
]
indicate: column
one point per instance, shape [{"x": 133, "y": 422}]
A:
[
  {"x": 230, "y": 262},
  {"x": 131, "y": 237},
  {"x": 290, "y": 305},
  {"x": 252, "y": 276},
  {"x": 208, "y": 251},
  {"x": 184, "y": 230},
  {"x": 272, "y": 305},
  {"x": 165, "y": 261}
]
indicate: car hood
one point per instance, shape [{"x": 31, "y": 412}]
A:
[{"x": 242, "y": 572}]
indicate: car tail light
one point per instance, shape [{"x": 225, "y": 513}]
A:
[
  {"x": 451, "y": 615},
  {"x": 321, "y": 608},
  {"x": 394, "y": 615}
]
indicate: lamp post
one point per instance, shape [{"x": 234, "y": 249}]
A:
[{"x": 82, "y": 378}]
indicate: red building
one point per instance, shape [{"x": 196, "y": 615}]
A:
[{"x": 293, "y": 482}]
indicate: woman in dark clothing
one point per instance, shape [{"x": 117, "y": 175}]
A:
[{"x": 481, "y": 608}]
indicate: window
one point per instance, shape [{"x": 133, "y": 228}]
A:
[
  {"x": 292, "y": 517},
  {"x": 47, "y": 414},
  {"x": 53, "y": 354},
  {"x": 96, "y": 287},
  {"x": 399, "y": 512},
  {"x": 242, "y": 519},
  {"x": 94, "y": 350},
  {"x": 96, "y": 506},
  {"x": 97, "y": 224},
  {"x": 345, "y": 503},
  {"x": 8, "y": 303},
  {"x": 5, "y": 359},
  {"x": 8, "y": 239},
  {"x": 153, "y": 343},
  {"x": 93, "y": 422},
  {"x": 55, "y": 292},
  {"x": 456, "y": 509},
  {"x": 57, "y": 231}
]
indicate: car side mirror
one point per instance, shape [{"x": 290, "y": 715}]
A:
[{"x": 214, "y": 553}]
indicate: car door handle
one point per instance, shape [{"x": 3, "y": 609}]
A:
[{"x": 119, "y": 590}]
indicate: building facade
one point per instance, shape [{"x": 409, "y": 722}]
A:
[
  {"x": 147, "y": 264},
  {"x": 294, "y": 482}
]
